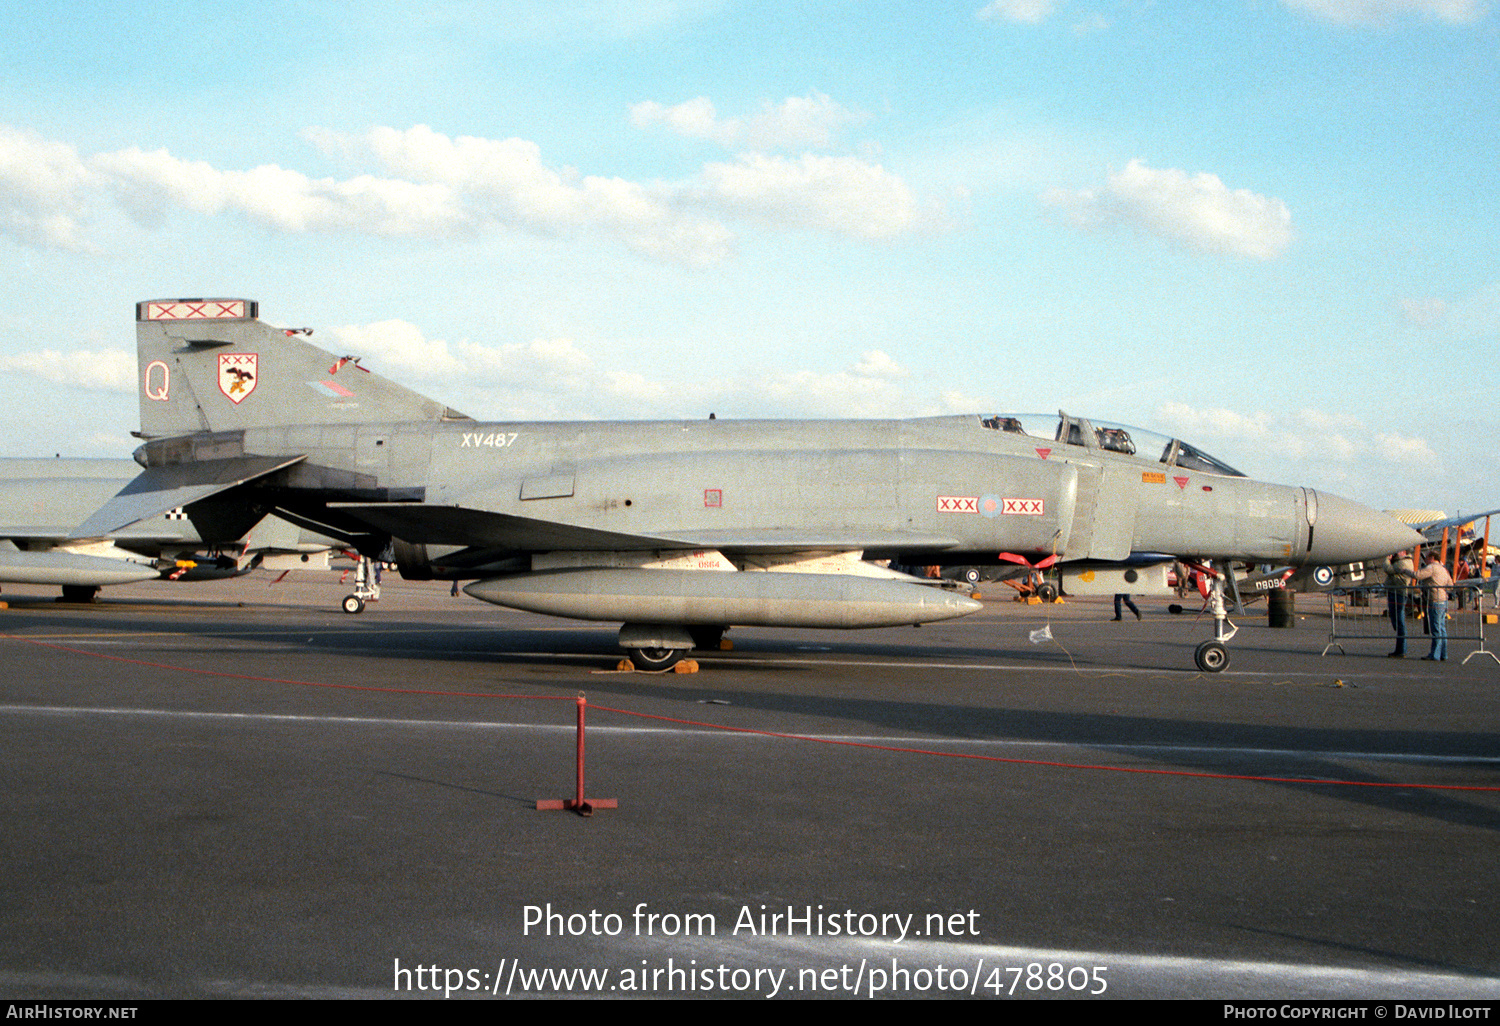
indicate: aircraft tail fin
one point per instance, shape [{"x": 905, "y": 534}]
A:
[{"x": 211, "y": 365}]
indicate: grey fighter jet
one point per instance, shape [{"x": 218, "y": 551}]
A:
[
  {"x": 679, "y": 530},
  {"x": 43, "y": 502}
]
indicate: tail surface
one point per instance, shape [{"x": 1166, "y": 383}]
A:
[{"x": 213, "y": 365}]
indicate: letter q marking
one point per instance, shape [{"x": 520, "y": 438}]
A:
[{"x": 158, "y": 380}]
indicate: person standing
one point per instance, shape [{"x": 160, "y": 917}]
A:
[
  {"x": 1398, "y": 572},
  {"x": 1437, "y": 605},
  {"x": 1184, "y": 580},
  {"x": 1126, "y": 600}
]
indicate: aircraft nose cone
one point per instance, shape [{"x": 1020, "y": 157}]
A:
[{"x": 1347, "y": 532}]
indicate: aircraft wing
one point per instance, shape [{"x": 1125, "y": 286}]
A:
[
  {"x": 1432, "y": 530},
  {"x": 159, "y": 489},
  {"x": 476, "y": 528},
  {"x": 457, "y": 525}
]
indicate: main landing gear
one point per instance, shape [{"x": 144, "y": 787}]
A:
[{"x": 660, "y": 647}]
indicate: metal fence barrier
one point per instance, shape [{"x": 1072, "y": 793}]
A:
[{"x": 1362, "y": 614}]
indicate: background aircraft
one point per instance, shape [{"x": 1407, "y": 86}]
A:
[
  {"x": 1467, "y": 544},
  {"x": 43, "y": 502},
  {"x": 677, "y": 529}
]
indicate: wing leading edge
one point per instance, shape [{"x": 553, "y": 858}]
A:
[{"x": 457, "y": 525}]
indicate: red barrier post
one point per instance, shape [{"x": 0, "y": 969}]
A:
[{"x": 578, "y": 803}]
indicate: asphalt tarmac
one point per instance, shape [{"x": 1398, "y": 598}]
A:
[{"x": 233, "y": 789}]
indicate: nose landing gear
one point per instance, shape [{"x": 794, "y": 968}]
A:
[
  {"x": 1212, "y": 656},
  {"x": 365, "y": 587}
]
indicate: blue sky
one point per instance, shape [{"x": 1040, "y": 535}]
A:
[{"x": 1267, "y": 226}]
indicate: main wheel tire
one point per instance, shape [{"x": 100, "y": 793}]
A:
[
  {"x": 656, "y": 658},
  {"x": 1047, "y": 593},
  {"x": 79, "y": 592},
  {"x": 353, "y": 604},
  {"x": 1211, "y": 657}
]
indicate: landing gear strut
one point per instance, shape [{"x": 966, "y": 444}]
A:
[{"x": 365, "y": 588}]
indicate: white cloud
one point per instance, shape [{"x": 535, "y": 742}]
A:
[
  {"x": 695, "y": 119},
  {"x": 43, "y": 189},
  {"x": 798, "y": 121},
  {"x": 843, "y": 195},
  {"x": 547, "y": 378},
  {"x": 1403, "y": 449},
  {"x": 279, "y": 198},
  {"x": 448, "y": 185},
  {"x": 1031, "y": 12},
  {"x": 1307, "y": 444},
  {"x": 505, "y": 183},
  {"x": 845, "y": 393},
  {"x": 1194, "y": 421},
  {"x": 434, "y": 186},
  {"x": 1425, "y": 313},
  {"x": 109, "y": 370},
  {"x": 876, "y": 364},
  {"x": 399, "y": 350},
  {"x": 1199, "y": 211},
  {"x": 1375, "y": 12}
]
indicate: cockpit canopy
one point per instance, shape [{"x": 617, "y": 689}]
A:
[{"x": 1130, "y": 441}]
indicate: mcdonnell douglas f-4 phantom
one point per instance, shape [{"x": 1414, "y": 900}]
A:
[{"x": 678, "y": 530}]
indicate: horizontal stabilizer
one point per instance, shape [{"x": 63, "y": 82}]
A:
[{"x": 174, "y": 485}]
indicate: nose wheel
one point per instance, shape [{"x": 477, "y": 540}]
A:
[
  {"x": 365, "y": 587},
  {"x": 1211, "y": 656}
]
